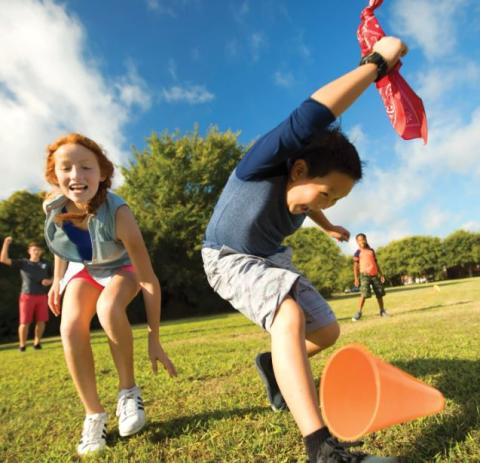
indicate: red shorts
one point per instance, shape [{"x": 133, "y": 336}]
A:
[
  {"x": 84, "y": 275},
  {"x": 31, "y": 305}
]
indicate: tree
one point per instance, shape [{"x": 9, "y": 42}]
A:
[
  {"x": 318, "y": 257},
  {"x": 415, "y": 256},
  {"x": 172, "y": 187},
  {"x": 462, "y": 250}
]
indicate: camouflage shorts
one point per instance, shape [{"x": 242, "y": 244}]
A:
[{"x": 369, "y": 281}]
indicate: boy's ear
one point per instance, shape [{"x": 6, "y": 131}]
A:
[{"x": 299, "y": 170}]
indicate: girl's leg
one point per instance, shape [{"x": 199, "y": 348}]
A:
[
  {"x": 290, "y": 360},
  {"x": 112, "y": 313},
  {"x": 78, "y": 309}
]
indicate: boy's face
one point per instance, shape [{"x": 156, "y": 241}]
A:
[
  {"x": 309, "y": 194},
  {"x": 362, "y": 242},
  {"x": 35, "y": 252}
]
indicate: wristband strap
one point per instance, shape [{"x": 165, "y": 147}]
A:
[{"x": 379, "y": 61}]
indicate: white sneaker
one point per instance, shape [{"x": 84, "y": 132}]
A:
[
  {"x": 130, "y": 412},
  {"x": 94, "y": 434}
]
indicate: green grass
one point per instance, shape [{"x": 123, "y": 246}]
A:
[{"x": 216, "y": 410}]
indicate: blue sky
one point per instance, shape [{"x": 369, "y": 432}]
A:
[{"x": 118, "y": 70}]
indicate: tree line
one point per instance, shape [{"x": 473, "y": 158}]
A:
[{"x": 171, "y": 187}]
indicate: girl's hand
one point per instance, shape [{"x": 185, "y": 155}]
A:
[
  {"x": 339, "y": 233},
  {"x": 54, "y": 298},
  {"x": 157, "y": 354}
]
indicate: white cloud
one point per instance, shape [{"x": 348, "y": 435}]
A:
[
  {"x": 48, "y": 88},
  {"x": 429, "y": 23},
  {"x": 231, "y": 48},
  {"x": 170, "y": 7},
  {"x": 435, "y": 217},
  {"x": 191, "y": 94},
  {"x": 133, "y": 90},
  {"x": 283, "y": 79},
  {"x": 473, "y": 226},
  {"x": 172, "y": 68},
  {"x": 257, "y": 42},
  {"x": 435, "y": 82}
]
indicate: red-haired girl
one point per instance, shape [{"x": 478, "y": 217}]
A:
[{"x": 101, "y": 262}]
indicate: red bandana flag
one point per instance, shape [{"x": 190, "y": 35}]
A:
[{"x": 404, "y": 107}]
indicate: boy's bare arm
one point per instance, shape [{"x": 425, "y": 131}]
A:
[
  {"x": 4, "y": 257},
  {"x": 355, "y": 271},
  {"x": 335, "y": 231},
  {"x": 341, "y": 93}
]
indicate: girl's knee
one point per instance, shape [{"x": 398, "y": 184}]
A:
[{"x": 72, "y": 330}]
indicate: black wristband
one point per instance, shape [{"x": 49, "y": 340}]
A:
[{"x": 379, "y": 61}]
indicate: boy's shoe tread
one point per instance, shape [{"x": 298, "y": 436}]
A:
[
  {"x": 264, "y": 365},
  {"x": 334, "y": 451},
  {"x": 357, "y": 316}
]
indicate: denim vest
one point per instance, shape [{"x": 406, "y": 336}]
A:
[{"x": 107, "y": 252}]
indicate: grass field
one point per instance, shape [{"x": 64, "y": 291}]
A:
[{"x": 216, "y": 410}]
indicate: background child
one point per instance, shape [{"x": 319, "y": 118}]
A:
[
  {"x": 294, "y": 171},
  {"x": 36, "y": 277},
  {"x": 367, "y": 273},
  {"x": 100, "y": 263}
]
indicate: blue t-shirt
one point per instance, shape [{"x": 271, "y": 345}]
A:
[
  {"x": 251, "y": 215},
  {"x": 81, "y": 239}
]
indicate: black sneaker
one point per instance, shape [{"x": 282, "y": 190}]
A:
[
  {"x": 37, "y": 346},
  {"x": 334, "y": 451},
  {"x": 22, "y": 348},
  {"x": 264, "y": 366}
]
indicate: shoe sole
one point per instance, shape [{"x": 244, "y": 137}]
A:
[{"x": 266, "y": 384}]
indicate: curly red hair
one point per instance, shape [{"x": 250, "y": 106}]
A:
[{"x": 106, "y": 170}]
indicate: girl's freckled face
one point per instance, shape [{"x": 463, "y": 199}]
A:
[{"x": 78, "y": 172}]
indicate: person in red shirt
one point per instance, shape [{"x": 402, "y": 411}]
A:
[{"x": 367, "y": 275}]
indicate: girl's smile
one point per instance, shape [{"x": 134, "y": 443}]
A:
[{"x": 78, "y": 173}]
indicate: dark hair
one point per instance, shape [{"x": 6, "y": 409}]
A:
[
  {"x": 360, "y": 234},
  {"x": 331, "y": 151},
  {"x": 34, "y": 244}
]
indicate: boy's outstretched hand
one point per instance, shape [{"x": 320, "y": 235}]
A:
[
  {"x": 391, "y": 49},
  {"x": 339, "y": 233},
  {"x": 157, "y": 354}
]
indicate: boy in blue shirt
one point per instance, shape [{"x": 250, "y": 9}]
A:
[{"x": 296, "y": 170}]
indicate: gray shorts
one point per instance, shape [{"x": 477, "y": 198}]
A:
[{"x": 256, "y": 286}]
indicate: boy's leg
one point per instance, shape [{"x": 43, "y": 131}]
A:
[
  {"x": 289, "y": 356},
  {"x": 78, "y": 309},
  {"x": 315, "y": 342},
  {"x": 41, "y": 317},
  {"x": 25, "y": 309},
  {"x": 39, "y": 330},
  {"x": 23, "y": 334}
]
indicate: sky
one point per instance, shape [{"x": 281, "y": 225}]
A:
[{"x": 118, "y": 70}]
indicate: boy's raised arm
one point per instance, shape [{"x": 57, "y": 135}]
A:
[{"x": 340, "y": 94}]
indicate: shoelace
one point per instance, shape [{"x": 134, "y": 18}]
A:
[
  {"x": 339, "y": 449},
  {"x": 93, "y": 430},
  {"x": 127, "y": 405}
]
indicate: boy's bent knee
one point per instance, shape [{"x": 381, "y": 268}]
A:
[{"x": 288, "y": 318}]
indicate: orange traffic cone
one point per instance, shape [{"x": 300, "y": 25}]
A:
[{"x": 360, "y": 393}]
